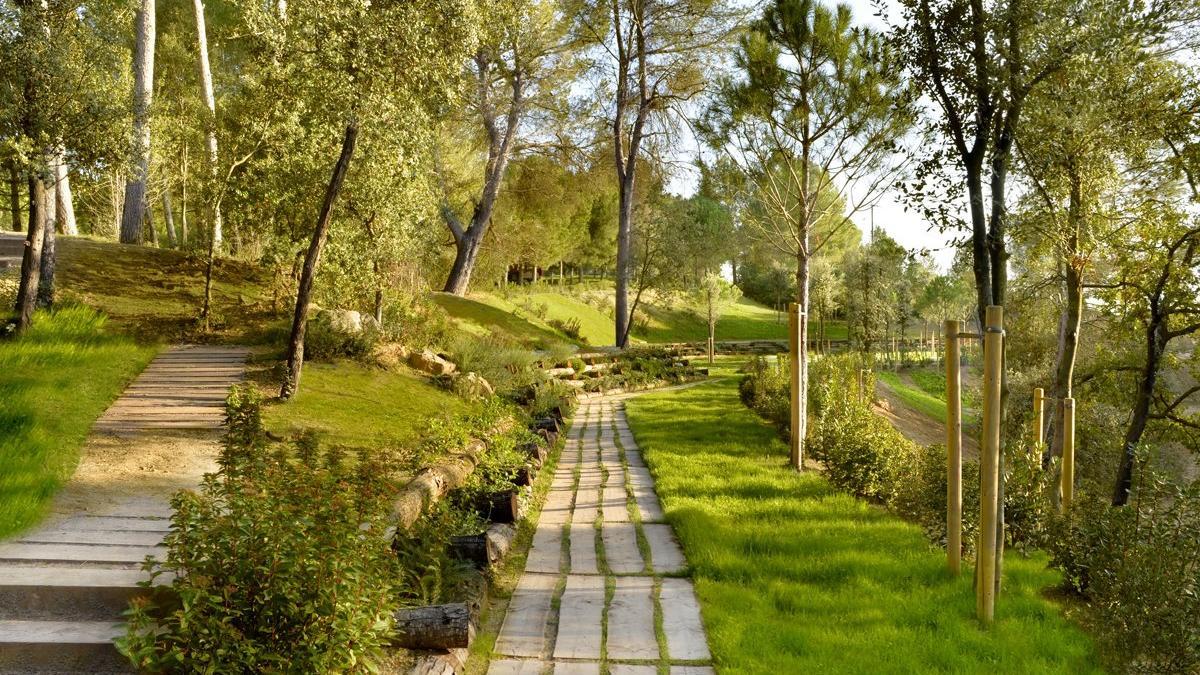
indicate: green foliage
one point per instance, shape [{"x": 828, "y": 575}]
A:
[
  {"x": 55, "y": 380},
  {"x": 504, "y": 364},
  {"x": 416, "y": 321},
  {"x": 551, "y": 395},
  {"x": 1139, "y": 567},
  {"x": 279, "y": 562},
  {"x": 325, "y": 341}
]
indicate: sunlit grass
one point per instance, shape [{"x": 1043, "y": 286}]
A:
[
  {"x": 354, "y": 405},
  {"x": 915, "y": 398},
  {"x": 796, "y": 578},
  {"x": 55, "y": 380}
]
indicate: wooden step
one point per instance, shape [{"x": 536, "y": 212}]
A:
[
  {"x": 61, "y": 646},
  {"x": 33, "y": 592}
]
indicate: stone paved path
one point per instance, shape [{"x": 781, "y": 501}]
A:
[
  {"x": 601, "y": 589},
  {"x": 64, "y": 584}
]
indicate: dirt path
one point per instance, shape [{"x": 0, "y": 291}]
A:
[{"x": 915, "y": 425}]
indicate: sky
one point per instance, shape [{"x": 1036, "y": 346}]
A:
[{"x": 905, "y": 226}]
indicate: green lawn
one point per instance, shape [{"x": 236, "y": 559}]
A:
[
  {"x": 796, "y": 578},
  {"x": 54, "y": 382},
  {"x": 354, "y": 405},
  {"x": 746, "y": 320},
  {"x": 916, "y": 398}
]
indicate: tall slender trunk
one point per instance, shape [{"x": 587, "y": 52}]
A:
[
  {"x": 1069, "y": 320},
  {"x": 49, "y": 264},
  {"x": 31, "y": 261},
  {"x": 624, "y": 256},
  {"x": 183, "y": 223},
  {"x": 150, "y": 229},
  {"x": 143, "y": 91},
  {"x": 51, "y": 205},
  {"x": 210, "y": 101},
  {"x": 14, "y": 196},
  {"x": 1156, "y": 344},
  {"x": 169, "y": 218},
  {"x": 64, "y": 201},
  {"x": 295, "y": 360}
]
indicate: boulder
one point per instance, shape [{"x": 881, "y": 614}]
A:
[
  {"x": 345, "y": 321},
  {"x": 428, "y": 362},
  {"x": 473, "y": 385}
]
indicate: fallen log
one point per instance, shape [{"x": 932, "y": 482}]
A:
[
  {"x": 434, "y": 627},
  {"x": 547, "y": 423}
]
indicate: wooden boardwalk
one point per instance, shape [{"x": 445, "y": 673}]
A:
[{"x": 64, "y": 584}]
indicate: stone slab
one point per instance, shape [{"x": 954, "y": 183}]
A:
[
  {"x": 545, "y": 553},
  {"x": 614, "y": 505},
  {"x": 583, "y": 550},
  {"x": 681, "y": 621},
  {"x": 515, "y": 667},
  {"x": 579, "y": 619},
  {"x": 587, "y": 506},
  {"x": 576, "y": 668},
  {"x": 665, "y": 555},
  {"x": 621, "y": 549},
  {"x": 524, "y": 630},
  {"x": 126, "y": 538},
  {"x": 79, "y": 553},
  {"x": 631, "y": 620},
  {"x": 648, "y": 505}
]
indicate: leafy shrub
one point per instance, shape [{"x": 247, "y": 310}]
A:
[
  {"x": 279, "y": 563},
  {"x": 504, "y": 364},
  {"x": 416, "y": 321},
  {"x": 571, "y": 327},
  {"x": 765, "y": 389},
  {"x": 1139, "y": 566},
  {"x": 550, "y": 395},
  {"x": 323, "y": 341}
]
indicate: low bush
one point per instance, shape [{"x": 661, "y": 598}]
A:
[
  {"x": 1139, "y": 568},
  {"x": 550, "y": 395},
  {"x": 572, "y": 328},
  {"x": 278, "y": 563},
  {"x": 416, "y": 322},
  {"x": 506, "y": 365},
  {"x": 323, "y": 341}
]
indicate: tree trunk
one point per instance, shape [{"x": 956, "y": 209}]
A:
[
  {"x": 803, "y": 261},
  {"x": 624, "y": 256},
  {"x": 51, "y": 205},
  {"x": 31, "y": 261},
  {"x": 14, "y": 196},
  {"x": 169, "y": 218},
  {"x": 183, "y": 223},
  {"x": 206, "y": 83},
  {"x": 64, "y": 202},
  {"x": 45, "y": 289},
  {"x": 295, "y": 354},
  {"x": 1156, "y": 343},
  {"x": 143, "y": 91},
  {"x": 466, "y": 252}
]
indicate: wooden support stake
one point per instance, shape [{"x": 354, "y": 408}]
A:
[
  {"x": 1068, "y": 453},
  {"x": 1039, "y": 404},
  {"x": 953, "y": 449},
  {"x": 989, "y": 470},
  {"x": 794, "y": 347}
]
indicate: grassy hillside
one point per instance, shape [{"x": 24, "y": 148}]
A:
[
  {"x": 529, "y": 316},
  {"x": 156, "y": 294}
]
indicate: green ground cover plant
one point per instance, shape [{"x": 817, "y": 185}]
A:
[
  {"x": 55, "y": 380},
  {"x": 794, "y": 576}
]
